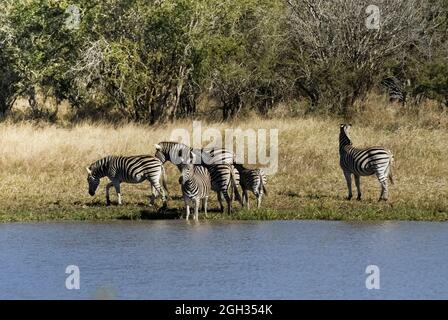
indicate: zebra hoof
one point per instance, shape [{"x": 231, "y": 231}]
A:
[
  {"x": 348, "y": 198},
  {"x": 358, "y": 198},
  {"x": 108, "y": 203}
]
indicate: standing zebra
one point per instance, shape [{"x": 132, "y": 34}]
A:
[
  {"x": 195, "y": 181},
  {"x": 134, "y": 169},
  {"x": 252, "y": 180},
  {"x": 225, "y": 180},
  {"x": 364, "y": 162},
  {"x": 218, "y": 161},
  {"x": 396, "y": 89}
]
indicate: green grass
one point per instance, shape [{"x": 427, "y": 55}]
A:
[{"x": 141, "y": 212}]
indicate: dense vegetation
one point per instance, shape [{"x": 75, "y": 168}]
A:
[{"x": 152, "y": 61}]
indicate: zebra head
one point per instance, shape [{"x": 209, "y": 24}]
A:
[
  {"x": 187, "y": 168},
  {"x": 345, "y": 127},
  {"x": 93, "y": 181},
  {"x": 344, "y": 135}
]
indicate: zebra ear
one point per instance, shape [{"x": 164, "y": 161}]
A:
[
  {"x": 88, "y": 170},
  {"x": 158, "y": 147}
]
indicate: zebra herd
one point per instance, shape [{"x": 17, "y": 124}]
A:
[
  {"x": 215, "y": 169},
  {"x": 202, "y": 171}
]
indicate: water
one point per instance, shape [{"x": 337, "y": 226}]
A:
[{"x": 224, "y": 260}]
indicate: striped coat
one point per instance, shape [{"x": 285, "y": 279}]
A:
[
  {"x": 195, "y": 181},
  {"x": 364, "y": 162},
  {"x": 218, "y": 161},
  {"x": 132, "y": 169},
  {"x": 252, "y": 180}
]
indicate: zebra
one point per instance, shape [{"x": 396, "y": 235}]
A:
[
  {"x": 395, "y": 88},
  {"x": 175, "y": 151},
  {"x": 364, "y": 162},
  {"x": 252, "y": 180},
  {"x": 218, "y": 161},
  {"x": 132, "y": 169},
  {"x": 225, "y": 179},
  {"x": 195, "y": 182}
]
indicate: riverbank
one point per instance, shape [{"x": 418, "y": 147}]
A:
[
  {"x": 140, "y": 212},
  {"x": 43, "y": 170}
]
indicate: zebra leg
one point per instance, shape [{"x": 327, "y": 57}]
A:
[
  {"x": 358, "y": 186},
  {"x": 243, "y": 200},
  {"x": 152, "y": 197},
  {"x": 221, "y": 207},
  {"x": 108, "y": 186},
  {"x": 384, "y": 191},
  {"x": 229, "y": 203},
  {"x": 187, "y": 206},
  {"x": 205, "y": 206},
  {"x": 259, "y": 196},
  {"x": 197, "y": 204},
  {"x": 382, "y": 178},
  {"x": 117, "y": 189},
  {"x": 348, "y": 178},
  {"x": 246, "y": 195},
  {"x": 157, "y": 190}
]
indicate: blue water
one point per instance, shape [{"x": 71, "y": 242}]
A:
[{"x": 224, "y": 260}]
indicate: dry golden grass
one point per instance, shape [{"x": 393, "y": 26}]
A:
[{"x": 43, "y": 177}]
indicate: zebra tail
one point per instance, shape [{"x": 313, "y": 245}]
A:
[
  {"x": 235, "y": 187},
  {"x": 391, "y": 177},
  {"x": 164, "y": 184}
]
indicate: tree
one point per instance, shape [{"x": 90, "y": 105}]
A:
[
  {"x": 40, "y": 50},
  {"x": 339, "y": 50},
  {"x": 9, "y": 77}
]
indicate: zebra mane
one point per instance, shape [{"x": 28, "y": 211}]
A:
[
  {"x": 166, "y": 144},
  {"x": 100, "y": 167},
  {"x": 239, "y": 166},
  {"x": 344, "y": 139}
]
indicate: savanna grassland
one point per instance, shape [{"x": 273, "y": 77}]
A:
[{"x": 43, "y": 168}]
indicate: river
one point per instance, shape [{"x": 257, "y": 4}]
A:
[{"x": 224, "y": 260}]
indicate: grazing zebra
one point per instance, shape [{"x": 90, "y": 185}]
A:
[
  {"x": 252, "y": 180},
  {"x": 364, "y": 162},
  {"x": 218, "y": 161},
  {"x": 195, "y": 181},
  {"x": 134, "y": 169}
]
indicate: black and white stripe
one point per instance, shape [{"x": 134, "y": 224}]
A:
[
  {"x": 364, "y": 162},
  {"x": 252, "y": 180},
  {"x": 175, "y": 152},
  {"x": 133, "y": 169},
  {"x": 218, "y": 161},
  {"x": 395, "y": 88},
  {"x": 195, "y": 181},
  {"x": 225, "y": 179}
]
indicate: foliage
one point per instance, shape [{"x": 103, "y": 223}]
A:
[{"x": 152, "y": 61}]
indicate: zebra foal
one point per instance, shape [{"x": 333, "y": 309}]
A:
[
  {"x": 252, "y": 180},
  {"x": 195, "y": 181},
  {"x": 133, "y": 169},
  {"x": 364, "y": 162}
]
